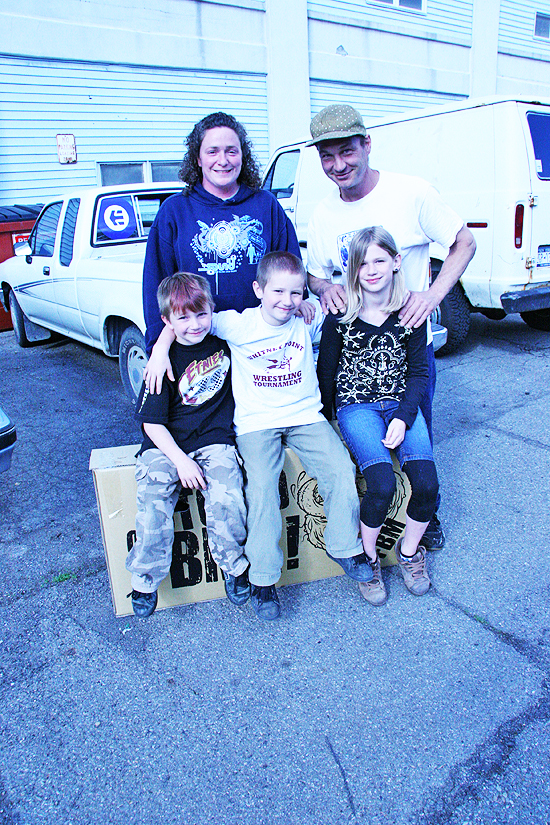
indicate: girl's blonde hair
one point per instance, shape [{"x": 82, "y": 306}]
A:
[{"x": 357, "y": 251}]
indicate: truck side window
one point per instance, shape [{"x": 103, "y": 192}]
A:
[
  {"x": 147, "y": 207},
  {"x": 67, "y": 233},
  {"x": 539, "y": 126},
  {"x": 280, "y": 178},
  {"x": 42, "y": 239}
]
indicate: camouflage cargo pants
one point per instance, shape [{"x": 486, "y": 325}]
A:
[{"x": 158, "y": 488}]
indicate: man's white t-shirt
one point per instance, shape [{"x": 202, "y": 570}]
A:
[
  {"x": 409, "y": 208},
  {"x": 272, "y": 370}
]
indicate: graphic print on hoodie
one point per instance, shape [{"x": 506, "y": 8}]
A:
[{"x": 222, "y": 240}]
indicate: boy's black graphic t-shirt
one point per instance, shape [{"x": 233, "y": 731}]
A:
[{"x": 197, "y": 408}]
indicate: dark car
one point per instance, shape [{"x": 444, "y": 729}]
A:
[{"x": 7, "y": 440}]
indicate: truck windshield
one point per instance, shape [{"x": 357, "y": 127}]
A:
[{"x": 539, "y": 126}]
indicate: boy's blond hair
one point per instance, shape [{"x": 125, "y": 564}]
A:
[{"x": 277, "y": 261}]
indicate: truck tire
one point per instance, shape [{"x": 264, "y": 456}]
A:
[
  {"x": 454, "y": 313},
  {"x": 132, "y": 359},
  {"x": 18, "y": 321},
  {"x": 27, "y": 333},
  {"x": 537, "y": 319}
]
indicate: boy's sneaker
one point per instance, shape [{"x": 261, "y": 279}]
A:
[
  {"x": 374, "y": 591},
  {"x": 434, "y": 537},
  {"x": 357, "y": 567},
  {"x": 144, "y": 603},
  {"x": 265, "y": 602},
  {"x": 414, "y": 570},
  {"x": 237, "y": 588}
]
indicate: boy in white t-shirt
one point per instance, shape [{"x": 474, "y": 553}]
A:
[{"x": 278, "y": 404}]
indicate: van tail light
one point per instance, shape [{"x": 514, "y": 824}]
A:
[{"x": 518, "y": 226}]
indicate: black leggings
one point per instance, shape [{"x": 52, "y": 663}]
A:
[{"x": 381, "y": 487}]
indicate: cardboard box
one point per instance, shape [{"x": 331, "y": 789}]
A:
[{"x": 194, "y": 576}]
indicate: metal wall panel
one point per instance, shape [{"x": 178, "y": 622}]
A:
[
  {"x": 517, "y": 28},
  {"x": 117, "y": 113},
  {"x": 373, "y": 101},
  {"x": 449, "y": 21}
]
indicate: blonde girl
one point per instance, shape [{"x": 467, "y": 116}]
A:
[{"x": 373, "y": 371}]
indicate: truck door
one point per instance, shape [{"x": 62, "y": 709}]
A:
[
  {"x": 36, "y": 294},
  {"x": 65, "y": 275}
]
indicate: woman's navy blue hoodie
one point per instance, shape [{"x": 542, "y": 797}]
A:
[{"x": 222, "y": 240}]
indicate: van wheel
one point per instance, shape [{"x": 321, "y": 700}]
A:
[
  {"x": 132, "y": 359},
  {"x": 537, "y": 319},
  {"x": 454, "y": 313}
]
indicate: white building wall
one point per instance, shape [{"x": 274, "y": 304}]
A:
[{"x": 129, "y": 80}]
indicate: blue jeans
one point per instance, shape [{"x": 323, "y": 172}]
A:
[
  {"x": 364, "y": 426},
  {"x": 325, "y": 458}
]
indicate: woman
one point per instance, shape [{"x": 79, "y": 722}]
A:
[{"x": 219, "y": 226}]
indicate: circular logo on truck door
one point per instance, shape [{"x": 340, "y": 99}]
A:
[{"x": 117, "y": 219}]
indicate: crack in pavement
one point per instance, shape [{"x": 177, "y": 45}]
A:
[{"x": 467, "y": 780}]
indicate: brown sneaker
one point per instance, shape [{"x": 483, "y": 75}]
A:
[
  {"x": 374, "y": 591},
  {"x": 414, "y": 570}
]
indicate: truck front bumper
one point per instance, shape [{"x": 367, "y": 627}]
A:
[{"x": 527, "y": 300}]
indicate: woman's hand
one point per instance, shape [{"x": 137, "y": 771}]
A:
[{"x": 394, "y": 434}]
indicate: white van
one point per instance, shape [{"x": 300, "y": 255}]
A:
[{"x": 490, "y": 159}]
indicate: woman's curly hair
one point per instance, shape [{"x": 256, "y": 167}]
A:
[{"x": 190, "y": 171}]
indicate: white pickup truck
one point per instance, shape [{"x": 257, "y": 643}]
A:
[{"x": 80, "y": 273}]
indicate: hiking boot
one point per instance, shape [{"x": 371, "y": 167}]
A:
[
  {"x": 357, "y": 567},
  {"x": 237, "y": 588},
  {"x": 374, "y": 591},
  {"x": 144, "y": 603},
  {"x": 265, "y": 602},
  {"x": 434, "y": 537},
  {"x": 414, "y": 570}
]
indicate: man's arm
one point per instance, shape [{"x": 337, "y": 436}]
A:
[
  {"x": 420, "y": 305},
  {"x": 188, "y": 470},
  {"x": 333, "y": 297}
]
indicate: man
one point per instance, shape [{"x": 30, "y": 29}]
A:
[{"x": 409, "y": 208}]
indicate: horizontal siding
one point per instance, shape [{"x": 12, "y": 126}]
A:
[
  {"x": 373, "y": 101},
  {"x": 117, "y": 113},
  {"x": 517, "y": 29},
  {"x": 448, "y": 21}
]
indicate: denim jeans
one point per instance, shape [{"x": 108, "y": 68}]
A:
[
  {"x": 364, "y": 426},
  {"x": 325, "y": 458}
]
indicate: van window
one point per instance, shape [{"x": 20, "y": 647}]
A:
[
  {"x": 539, "y": 126},
  {"x": 280, "y": 178}
]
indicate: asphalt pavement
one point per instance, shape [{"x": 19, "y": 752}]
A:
[{"x": 427, "y": 710}]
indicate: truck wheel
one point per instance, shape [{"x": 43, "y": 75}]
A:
[
  {"x": 132, "y": 359},
  {"x": 18, "y": 321},
  {"x": 537, "y": 319},
  {"x": 454, "y": 313}
]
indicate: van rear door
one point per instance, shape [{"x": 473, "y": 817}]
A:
[{"x": 537, "y": 126}]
